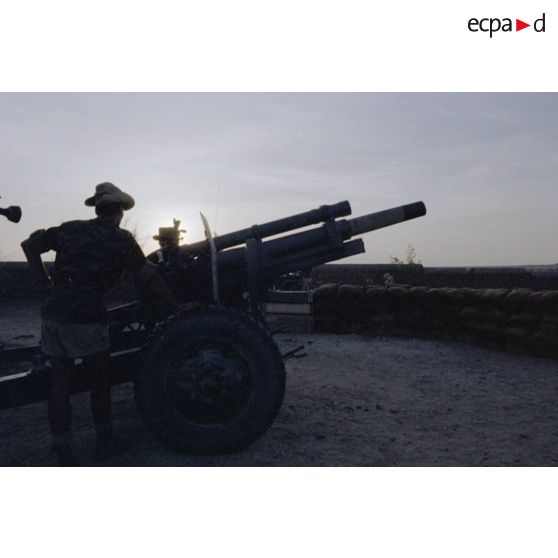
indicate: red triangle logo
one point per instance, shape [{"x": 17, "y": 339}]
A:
[{"x": 519, "y": 25}]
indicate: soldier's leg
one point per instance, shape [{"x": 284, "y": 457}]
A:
[
  {"x": 90, "y": 342},
  {"x": 99, "y": 366},
  {"x": 107, "y": 444},
  {"x": 59, "y": 407}
]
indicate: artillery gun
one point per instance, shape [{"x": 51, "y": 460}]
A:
[{"x": 212, "y": 380}]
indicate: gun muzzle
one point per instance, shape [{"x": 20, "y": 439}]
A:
[
  {"x": 386, "y": 218},
  {"x": 12, "y": 213}
]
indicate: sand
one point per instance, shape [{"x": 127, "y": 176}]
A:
[{"x": 353, "y": 401}]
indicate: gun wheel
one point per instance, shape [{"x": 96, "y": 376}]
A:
[{"x": 212, "y": 380}]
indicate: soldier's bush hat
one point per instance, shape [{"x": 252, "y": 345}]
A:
[
  {"x": 166, "y": 232},
  {"x": 109, "y": 193}
]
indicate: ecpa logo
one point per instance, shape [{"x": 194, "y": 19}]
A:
[{"x": 492, "y": 25}]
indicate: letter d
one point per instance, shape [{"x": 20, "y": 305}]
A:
[{"x": 535, "y": 25}]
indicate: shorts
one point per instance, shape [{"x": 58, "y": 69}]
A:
[{"x": 60, "y": 339}]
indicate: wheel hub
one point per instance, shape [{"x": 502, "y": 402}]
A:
[{"x": 209, "y": 386}]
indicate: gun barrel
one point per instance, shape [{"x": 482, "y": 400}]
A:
[
  {"x": 386, "y": 218},
  {"x": 345, "y": 229},
  {"x": 323, "y": 213},
  {"x": 326, "y": 237}
]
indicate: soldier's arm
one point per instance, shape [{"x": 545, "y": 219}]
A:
[
  {"x": 38, "y": 243},
  {"x": 148, "y": 277},
  {"x": 152, "y": 282}
]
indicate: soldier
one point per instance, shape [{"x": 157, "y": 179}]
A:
[
  {"x": 169, "y": 239},
  {"x": 90, "y": 256}
]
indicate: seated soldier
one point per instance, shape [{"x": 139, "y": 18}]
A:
[{"x": 167, "y": 257}]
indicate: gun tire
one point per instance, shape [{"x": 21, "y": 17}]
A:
[{"x": 212, "y": 380}]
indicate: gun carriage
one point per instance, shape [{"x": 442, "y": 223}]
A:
[{"x": 212, "y": 379}]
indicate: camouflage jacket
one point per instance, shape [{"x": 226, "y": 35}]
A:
[{"x": 90, "y": 257}]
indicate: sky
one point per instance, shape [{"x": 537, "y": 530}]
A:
[{"x": 485, "y": 165}]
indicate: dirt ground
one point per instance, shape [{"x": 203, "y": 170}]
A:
[{"x": 353, "y": 401}]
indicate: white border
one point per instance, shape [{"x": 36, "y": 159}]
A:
[
  {"x": 249, "y": 45},
  {"x": 277, "y": 512},
  {"x": 256, "y": 45}
]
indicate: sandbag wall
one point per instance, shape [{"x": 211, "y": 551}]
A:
[
  {"x": 516, "y": 320},
  {"x": 435, "y": 277}
]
